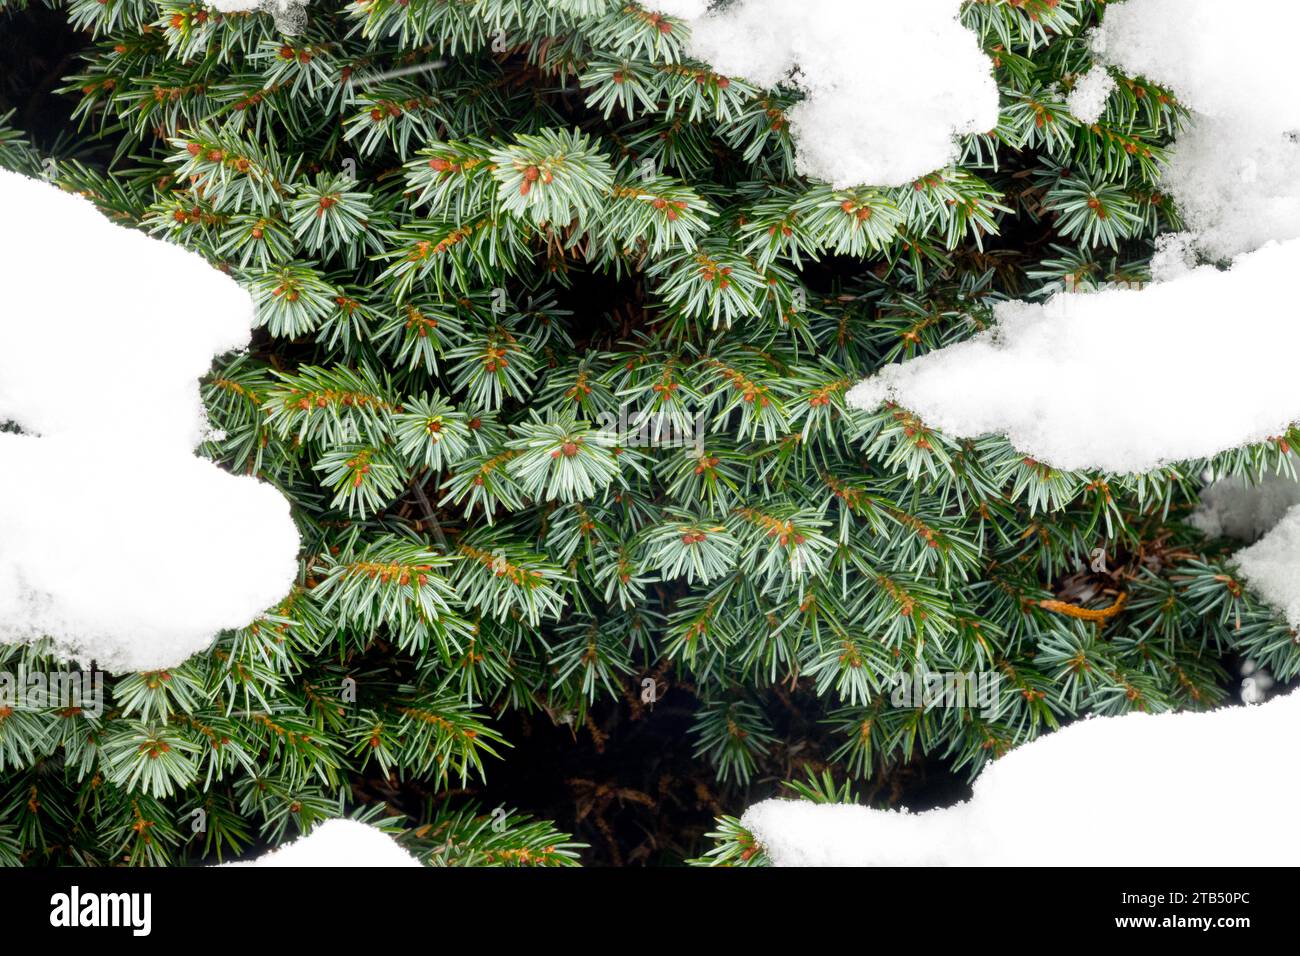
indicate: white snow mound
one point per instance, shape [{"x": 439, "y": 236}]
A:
[
  {"x": 337, "y": 843},
  {"x": 887, "y": 85},
  {"x": 115, "y": 540},
  {"x": 1068, "y": 799},
  {"x": 1121, "y": 380}
]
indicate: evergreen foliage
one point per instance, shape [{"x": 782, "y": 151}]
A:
[{"x": 480, "y": 231}]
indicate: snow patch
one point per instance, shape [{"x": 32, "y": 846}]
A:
[
  {"x": 1216, "y": 61},
  {"x": 1234, "y": 173},
  {"x": 337, "y": 843},
  {"x": 887, "y": 85},
  {"x": 1065, "y": 800},
  {"x": 115, "y": 540},
  {"x": 1235, "y": 185},
  {"x": 1271, "y": 566},
  {"x": 1114, "y": 379},
  {"x": 1087, "y": 101}
]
